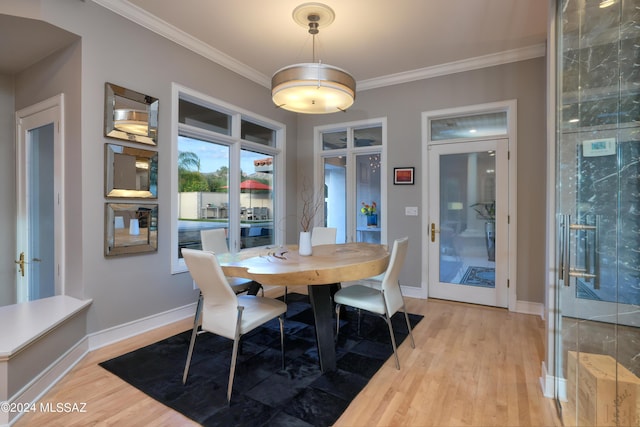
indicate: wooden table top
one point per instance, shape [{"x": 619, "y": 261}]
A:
[{"x": 328, "y": 264}]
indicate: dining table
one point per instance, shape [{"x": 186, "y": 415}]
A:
[{"x": 326, "y": 266}]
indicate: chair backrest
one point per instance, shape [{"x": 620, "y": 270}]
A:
[
  {"x": 390, "y": 284},
  {"x": 219, "y": 310},
  {"x": 214, "y": 240},
  {"x": 323, "y": 236}
]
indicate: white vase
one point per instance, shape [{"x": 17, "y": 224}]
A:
[
  {"x": 304, "y": 245},
  {"x": 134, "y": 227}
]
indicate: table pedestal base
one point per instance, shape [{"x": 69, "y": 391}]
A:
[{"x": 320, "y": 299}]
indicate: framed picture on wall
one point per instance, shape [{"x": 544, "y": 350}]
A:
[{"x": 403, "y": 176}]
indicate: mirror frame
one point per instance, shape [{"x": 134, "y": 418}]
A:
[
  {"x": 117, "y": 172},
  {"x": 126, "y": 241},
  {"x": 119, "y": 100}
]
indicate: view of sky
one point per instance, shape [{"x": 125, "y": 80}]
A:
[{"x": 213, "y": 156}]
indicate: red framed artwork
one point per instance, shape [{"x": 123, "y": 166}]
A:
[{"x": 403, "y": 176}]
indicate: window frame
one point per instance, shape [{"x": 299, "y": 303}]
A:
[
  {"x": 351, "y": 152},
  {"x": 235, "y": 144}
]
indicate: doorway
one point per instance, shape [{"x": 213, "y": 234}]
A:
[
  {"x": 469, "y": 207},
  {"x": 39, "y": 245},
  {"x": 468, "y": 230}
]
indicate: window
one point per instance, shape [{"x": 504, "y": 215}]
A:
[
  {"x": 351, "y": 168},
  {"x": 227, "y": 172}
]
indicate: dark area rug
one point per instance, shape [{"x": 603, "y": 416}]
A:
[
  {"x": 480, "y": 276},
  {"x": 263, "y": 393}
]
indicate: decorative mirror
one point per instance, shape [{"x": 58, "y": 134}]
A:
[
  {"x": 130, "y": 228},
  {"x": 130, "y": 115},
  {"x": 130, "y": 172}
]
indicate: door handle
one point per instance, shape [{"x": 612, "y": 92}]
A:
[
  {"x": 21, "y": 262},
  {"x": 433, "y": 232},
  {"x": 562, "y": 236},
  {"x": 582, "y": 273}
]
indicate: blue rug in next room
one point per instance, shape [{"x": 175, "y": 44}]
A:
[{"x": 480, "y": 276}]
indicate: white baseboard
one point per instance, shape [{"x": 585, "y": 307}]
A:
[
  {"x": 527, "y": 307},
  {"x": 139, "y": 326},
  {"x": 414, "y": 292},
  {"x": 547, "y": 381}
]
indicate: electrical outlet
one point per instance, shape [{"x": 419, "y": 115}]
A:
[{"x": 411, "y": 210}]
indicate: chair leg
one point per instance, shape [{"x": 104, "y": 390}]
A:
[
  {"x": 234, "y": 355},
  {"x": 406, "y": 317},
  {"x": 196, "y": 321},
  {"x": 281, "y": 319},
  {"x": 284, "y": 298},
  {"x": 387, "y": 318},
  {"x": 337, "y": 320}
]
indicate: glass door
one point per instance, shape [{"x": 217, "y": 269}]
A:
[
  {"x": 335, "y": 183},
  {"x": 38, "y": 190},
  {"x": 353, "y": 177},
  {"x": 468, "y": 222},
  {"x": 597, "y": 292}
]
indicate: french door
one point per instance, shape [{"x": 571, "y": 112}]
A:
[
  {"x": 353, "y": 179},
  {"x": 468, "y": 224}
]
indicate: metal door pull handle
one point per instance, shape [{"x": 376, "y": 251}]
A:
[{"x": 582, "y": 274}]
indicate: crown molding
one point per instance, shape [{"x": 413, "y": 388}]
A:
[
  {"x": 470, "y": 64},
  {"x": 164, "y": 29}
]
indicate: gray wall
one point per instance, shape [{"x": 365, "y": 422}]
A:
[
  {"x": 403, "y": 104},
  {"x": 115, "y": 50},
  {"x": 7, "y": 191}
]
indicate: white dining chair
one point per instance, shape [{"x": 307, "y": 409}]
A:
[
  {"x": 222, "y": 312},
  {"x": 384, "y": 301},
  {"x": 215, "y": 240},
  {"x": 319, "y": 236},
  {"x": 323, "y": 236}
]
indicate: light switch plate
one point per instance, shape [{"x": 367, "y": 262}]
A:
[{"x": 411, "y": 210}]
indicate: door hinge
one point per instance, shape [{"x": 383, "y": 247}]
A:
[
  {"x": 508, "y": 155},
  {"x": 508, "y": 219},
  {"x": 508, "y": 284}
]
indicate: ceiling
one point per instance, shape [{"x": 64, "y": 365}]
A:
[
  {"x": 372, "y": 39},
  {"x": 26, "y": 41}
]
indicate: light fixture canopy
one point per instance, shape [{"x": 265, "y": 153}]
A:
[{"x": 313, "y": 87}]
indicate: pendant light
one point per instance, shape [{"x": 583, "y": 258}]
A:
[{"x": 313, "y": 88}]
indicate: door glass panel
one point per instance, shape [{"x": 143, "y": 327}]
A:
[
  {"x": 597, "y": 297},
  {"x": 368, "y": 198},
  {"x": 334, "y": 140},
  {"x": 467, "y": 219},
  {"x": 41, "y": 253},
  {"x": 473, "y": 126},
  {"x": 335, "y": 184},
  {"x": 367, "y": 137}
]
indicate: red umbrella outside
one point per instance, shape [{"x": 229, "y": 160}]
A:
[{"x": 252, "y": 184}]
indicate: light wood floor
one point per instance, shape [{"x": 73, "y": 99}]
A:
[{"x": 472, "y": 366}]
